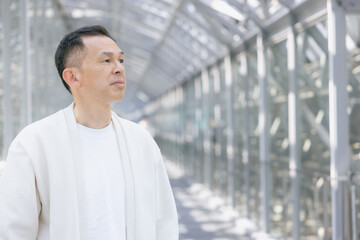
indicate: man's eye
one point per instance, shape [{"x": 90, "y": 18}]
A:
[
  {"x": 121, "y": 60},
  {"x": 107, "y": 60}
]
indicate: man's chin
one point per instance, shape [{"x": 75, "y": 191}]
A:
[{"x": 118, "y": 98}]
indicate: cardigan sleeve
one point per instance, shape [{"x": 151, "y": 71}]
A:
[
  {"x": 19, "y": 198},
  {"x": 167, "y": 220}
]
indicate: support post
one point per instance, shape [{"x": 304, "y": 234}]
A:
[
  {"x": 264, "y": 133},
  {"x": 7, "y": 104},
  {"x": 294, "y": 130},
  {"x": 48, "y": 27},
  {"x": 217, "y": 167},
  {"x": 229, "y": 128},
  {"x": 37, "y": 62},
  {"x": 354, "y": 213},
  {"x": 338, "y": 120},
  {"x": 26, "y": 101},
  {"x": 245, "y": 130},
  {"x": 207, "y": 140}
]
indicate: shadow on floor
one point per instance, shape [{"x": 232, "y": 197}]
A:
[{"x": 203, "y": 216}]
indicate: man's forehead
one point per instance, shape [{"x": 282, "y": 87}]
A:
[{"x": 101, "y": 44}]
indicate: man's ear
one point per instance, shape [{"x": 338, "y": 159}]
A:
[{"x": 70, "y": 77}]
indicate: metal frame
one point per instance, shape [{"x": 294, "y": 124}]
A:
[
  {"x": 339, "y": 121},
  {"x": 209, "y": 16},
  {"x": 60, "y": 12},
  {"x": 211, "y": 30},
  {"x": 264, "y": 132},
  {"x": 130, "y": 11},
  {"x": 26, "y": 102},
  {"x": 158, "y": 46},
  {"x": 229, "y": 75},
  {"x": 352, "y": 6},
  {"x": 189, "y": 18},
  {"x": 214, "y": 17},
  {"x": 207, "y": 145},
  {"x": 294, "y": 132},
  {"x": 296, "y": 14},
  {"x": 245, "y": 130},
  {"x": 245, "y": 8},
  {"x": 8, "y": 113},
  {"x": 37, "y": 75}
]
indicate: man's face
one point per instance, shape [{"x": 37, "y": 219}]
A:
[{"x": 102, "y": 73}]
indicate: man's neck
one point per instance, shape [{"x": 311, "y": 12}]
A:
[{"x": 92, "y": 116}]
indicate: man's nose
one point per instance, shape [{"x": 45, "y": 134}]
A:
[{"x": 119, "y": 68}]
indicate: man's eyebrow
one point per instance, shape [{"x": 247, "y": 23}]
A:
[{"x": 112, "y": 54}]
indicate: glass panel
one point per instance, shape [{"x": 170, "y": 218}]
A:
[
  {"x": 221, "y": 134},
  {"x": 239, "y": 93},
  {"x": 312, "y": 77},
  {"x": 354, "y": 117},
  {"x": 279, "y": 142},
  {"x": 47, "y": 29},
  {"x": 254, "y": 158},
  {"x": 199, "y": 133},
  {"x": 16, "y": 69},
  {"x": 189, "y": 117},
  {"x": 214, "y": 113}
]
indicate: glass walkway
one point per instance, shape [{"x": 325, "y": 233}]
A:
[{"x": 255, "y": 104}]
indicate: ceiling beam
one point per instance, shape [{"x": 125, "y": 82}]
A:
[
  {"x": 159, "y": 44},
  {"x": 286, "y": 3},
  {"x": 243, "y": 7},
  {"x": 211, "y": 13},
  {"x": 60, "y": 11},
  {"x": 210, "y": 30},
  {"x": 216, "y": 26}
]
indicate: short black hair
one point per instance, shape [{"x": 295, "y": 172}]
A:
[{"x": 72, "y": 44}]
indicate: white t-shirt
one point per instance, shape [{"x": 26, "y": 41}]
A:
[{"x": 104, "y": 183}]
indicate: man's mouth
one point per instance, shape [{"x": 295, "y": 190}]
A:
[{"x": 119, "y": 83}]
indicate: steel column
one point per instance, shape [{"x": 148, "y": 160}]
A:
[
  {"x": 37, "y": 53},
  {"x": 197, "y": 136},
  {"x": 245, "y": 129},
  {"x": 264, "y": 133},
  {"x": 294, "y": 131},
  {"x": 354, "y": 213},
  {"x": 7, "y": 104},
  {"x": 229, "y": 128},
  {"x": 218, "y": 124},
  {"x": 206, "y": 112},
  {"x": 26, "y": 101},
  {"x": 48, "y": 28},
  {"x": 338, "y": 120}
]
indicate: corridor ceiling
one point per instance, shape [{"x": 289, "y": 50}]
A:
[{"x": 167, "y": 42}]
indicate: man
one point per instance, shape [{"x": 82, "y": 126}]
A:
[{"x": 83, "y": 172}]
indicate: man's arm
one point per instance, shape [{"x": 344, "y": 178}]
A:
[
  {"x": 19, "y": 200},
  {"x": 167, "y": 221}
]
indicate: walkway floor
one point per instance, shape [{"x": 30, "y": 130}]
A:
[{"x": 203, "y": 216}]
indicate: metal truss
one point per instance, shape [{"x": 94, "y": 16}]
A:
[{"x": 352, "y": 6}]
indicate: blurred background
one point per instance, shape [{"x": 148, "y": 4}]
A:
[{"x": 255, "y": 103}]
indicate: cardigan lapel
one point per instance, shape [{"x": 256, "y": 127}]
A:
[
  {"x": 129, "y": 177},
  {"x": 80, "y": 186},
  {"x": 79, "y": 172}
]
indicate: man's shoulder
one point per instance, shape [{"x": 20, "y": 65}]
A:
[
  {"x": 49, "y": 121},
  {"x": 45, "y": 126}
]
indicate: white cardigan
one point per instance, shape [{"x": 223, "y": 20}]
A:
[{"x": 42, "y": 189}]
